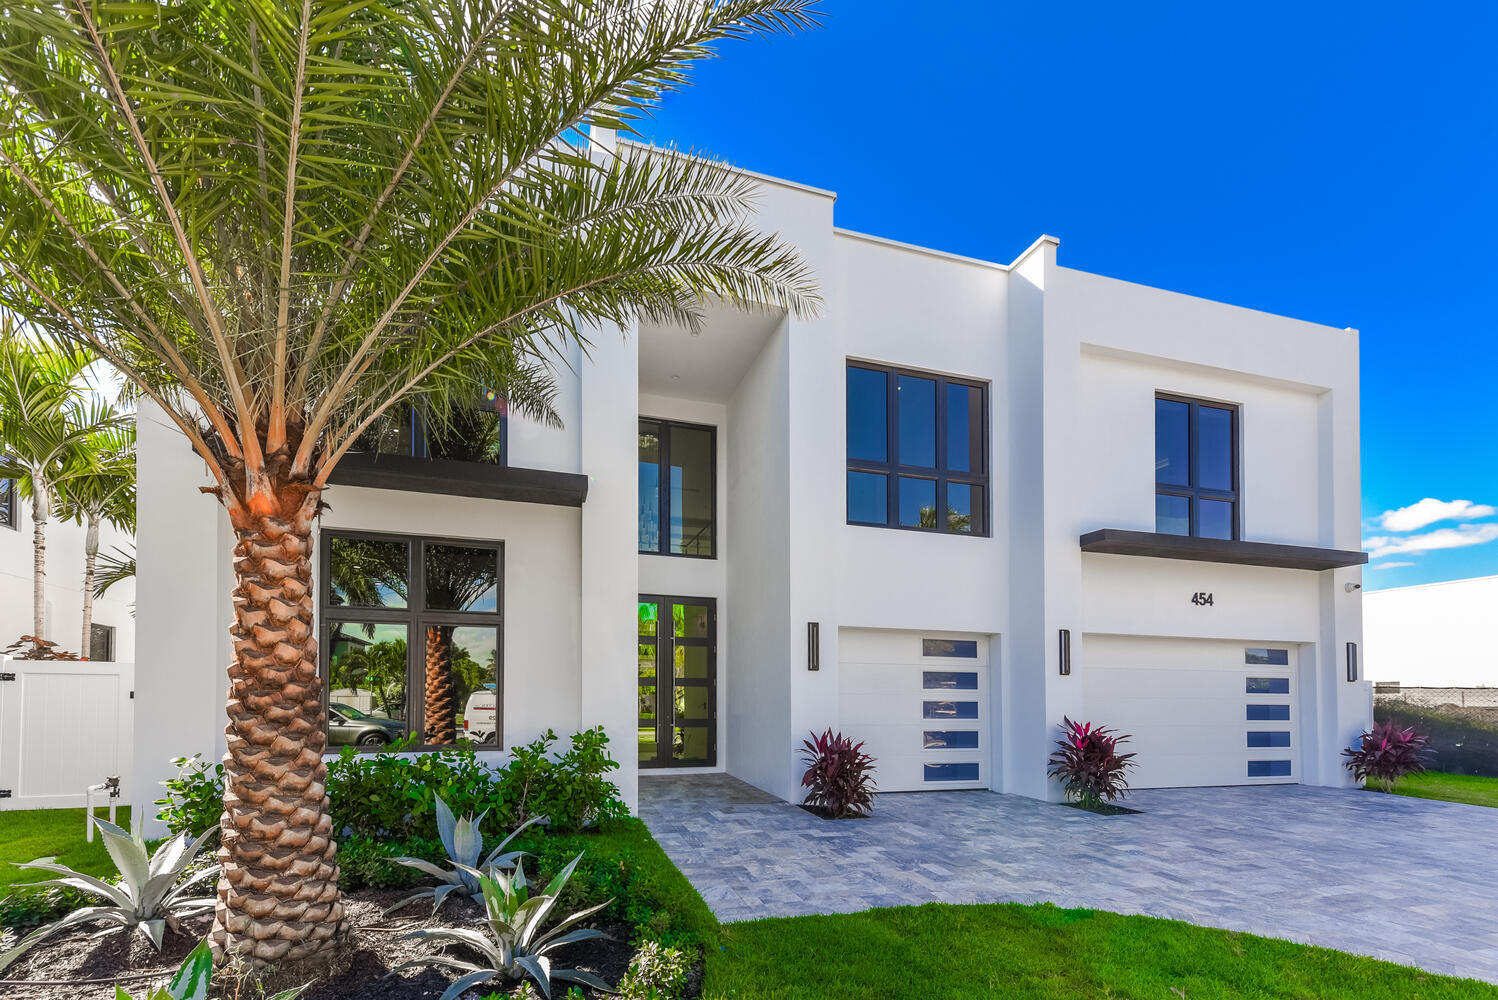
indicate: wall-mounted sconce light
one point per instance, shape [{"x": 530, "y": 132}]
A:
[
  {"x": 813, "y": 646},
  {"x": 1065, "y": 652},
  {"x": 1352, "y": 661}
]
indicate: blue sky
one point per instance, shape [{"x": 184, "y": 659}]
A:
[{"x": 1336, "y": 162}]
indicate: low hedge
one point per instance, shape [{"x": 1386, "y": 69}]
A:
[{"x": 1462, "y": 745}]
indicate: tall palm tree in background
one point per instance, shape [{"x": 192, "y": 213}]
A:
[
  {"x": 47, "y": 419},
  {"x": 100, "y": 488},
  {"x": 280, "y": 218}
]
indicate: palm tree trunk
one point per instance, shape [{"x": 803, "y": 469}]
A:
[
  {"x": 38, "y": 559},
  {"x": 90, "y": 567},
  {"x": 278, "y": 897},
  {"x": 441, "y": 696}
]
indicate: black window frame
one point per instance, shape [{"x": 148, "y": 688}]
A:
[
  {"x": 107, "y": 633},
  {"x": 663, "y": 491},
  {"x": 893, "y": 470},
  {"x": 415, "y": 616},
  {"x": 1194, "y": 493},
  {"x": 10, "y": 514},
  {"x": 418, "y": 428}
]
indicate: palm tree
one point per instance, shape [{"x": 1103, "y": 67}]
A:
[
  {"x": 279, "y": 219},
  {"x": 100, "y": 487},
  {"x": 46, "y": 420}
]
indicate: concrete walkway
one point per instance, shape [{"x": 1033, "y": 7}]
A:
[{"x": 1408, "y": 880}]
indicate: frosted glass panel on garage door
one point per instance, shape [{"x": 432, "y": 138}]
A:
[
  {"x": 1201, "y": 712},
  {"x": 920, "y": 703}
]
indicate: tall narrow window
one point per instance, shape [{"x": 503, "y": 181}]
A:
[
  {"x": 1196, "y": 468},
  {"x": 917, "y": 451},
  {"x": 8, "y": 500},
  {"x": 678, "y": 489}
]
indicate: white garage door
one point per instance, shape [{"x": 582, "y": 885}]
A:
[
  {"x": 920, "y": 703},
  {"x": 1200, "y": 712}
]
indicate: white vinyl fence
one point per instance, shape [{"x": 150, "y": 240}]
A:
[{"x": 63, "y": 726}]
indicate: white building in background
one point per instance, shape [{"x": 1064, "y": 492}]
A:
[
  {"x": 1432, "y": 635},
  {"x": 114, "y": 624},
  {"x": 967, "y": 500}
]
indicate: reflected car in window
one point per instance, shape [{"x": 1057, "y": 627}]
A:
[{"x": 347, "y": 726}]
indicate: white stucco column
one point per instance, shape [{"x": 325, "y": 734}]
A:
[{"x": 608, "y": 432}]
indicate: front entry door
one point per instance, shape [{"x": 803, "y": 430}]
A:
[{"x": 678, "y": 675}]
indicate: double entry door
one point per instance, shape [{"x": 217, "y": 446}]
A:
[{"x": 678, "y": 681}]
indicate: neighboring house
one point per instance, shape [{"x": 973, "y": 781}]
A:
[
  {"x": 968, "y": 500},
  {"x": 114, "y": 626},
  {"x": 1431, "y": 635}
]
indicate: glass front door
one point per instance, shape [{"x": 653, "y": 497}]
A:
[{"x": 677, "y": 657}]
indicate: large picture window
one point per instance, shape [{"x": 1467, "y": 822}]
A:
[
  {"x": 412, "y": 640},
  {"x": 678, "y": 489},
  {"x": 1196, "y": 468},
  {"x": 917, "y": 451}
]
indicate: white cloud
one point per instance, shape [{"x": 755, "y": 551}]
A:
[
  {"x": 1390, "y": 565},
  {"x": 1442, "y": 538},
  {"x": 1429, "y": 511}
]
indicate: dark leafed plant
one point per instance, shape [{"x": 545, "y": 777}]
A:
[
  {"x": 280, "y": 220},
  {"x": 1388, "y": 753},
  {"x": 839, "y": 776},
  {"x": 1088, "y": 764}
]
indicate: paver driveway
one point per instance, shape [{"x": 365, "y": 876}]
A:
[{"x": 1409, "y": 880}]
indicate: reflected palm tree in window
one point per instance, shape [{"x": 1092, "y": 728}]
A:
[{"x": 457, "y": 578}]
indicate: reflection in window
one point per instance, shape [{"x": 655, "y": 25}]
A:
[
  {"x": 476, "y": 432},
  {"x": 101, "y": 643},
  {"x": 677, "y": 486},
  {"x": 949, "y": 739},
  {"x": 461, "y": 695},
  {"x": 8, "y": 512},
  {"x": 461, "y": 579},
  {"x": 366, "y": 683},
  {"x": 917, "y": 451},
  {"x": 368, "y": 572},
  {"x": 1196, "y": 476}
]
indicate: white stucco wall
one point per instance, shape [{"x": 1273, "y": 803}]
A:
[{"x": 1432, "y": 635}]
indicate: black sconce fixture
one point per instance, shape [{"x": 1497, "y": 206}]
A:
[
  {"x": 813, "y": 646},
  {"x": 1065, "y": 652},
  {"x": 1352, "y": 661}
]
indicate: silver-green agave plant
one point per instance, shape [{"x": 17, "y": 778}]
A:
[
  {"x": 193, "y": 980},
  {"x": 512, "y": 944},
  {"x": 464, "y": 844},
  {"x": 151, "y": 889}
]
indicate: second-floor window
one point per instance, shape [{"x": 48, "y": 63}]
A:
[
  {"x": 678, "y": 489},
  {"x": 917, "y": 450},
  {"x": 1196, "y": 468},
  {"x": 478, "y": 432},
  {"x": 8, "y": 501}
]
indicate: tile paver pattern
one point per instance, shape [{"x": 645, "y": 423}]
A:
[{"x": 1408, "y": 880}]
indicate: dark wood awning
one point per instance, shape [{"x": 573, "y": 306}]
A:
[
  {"x": 463, "y": 479},
  {"x": 1117, "y": 541}
]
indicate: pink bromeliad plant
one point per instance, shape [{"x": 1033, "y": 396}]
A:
[
  {"x": 1088, "y": 764},
  {"x": 1387, "y": 754}
]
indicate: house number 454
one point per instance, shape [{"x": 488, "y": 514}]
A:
[{"x": 1202, "y": 599}]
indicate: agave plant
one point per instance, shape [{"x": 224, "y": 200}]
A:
[
  {"x": 150, "y": 894},
  {"x": 1388, "y": 753},
  {"x": 839, "y": 775},
  {"x": 1088, "y": 764},
  {"x": 464, "y": 843},
  {"x": 514, "y": 946},
  {"x": 193, "y": 978}
]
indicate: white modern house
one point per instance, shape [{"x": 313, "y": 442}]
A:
[{"x": 966, "y": 501}]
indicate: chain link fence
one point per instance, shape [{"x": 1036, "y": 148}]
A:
[{"x": 1462, "y": 723}]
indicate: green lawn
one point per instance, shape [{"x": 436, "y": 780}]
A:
[
  {"x": 1469, "y": 788},
  {"x": 28, "y": 834},
  {"x": 936, "y": 952}
]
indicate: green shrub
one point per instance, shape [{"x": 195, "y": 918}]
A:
[
  {"x": 24, "y": 909},
  {"x": 369, "y": 862},
  {"x": 657, "y": 973},
  {"x": 391, "y": 794},
  {"x": 194, "y": 798},
  {"x": 621, "y": 861}
]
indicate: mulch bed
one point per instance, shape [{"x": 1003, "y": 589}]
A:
[{"x": 373, "y": 949}]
